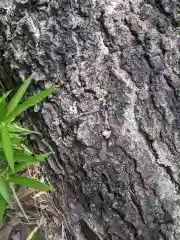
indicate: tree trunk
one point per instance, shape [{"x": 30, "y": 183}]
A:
[{"x": 116, "y": 169}]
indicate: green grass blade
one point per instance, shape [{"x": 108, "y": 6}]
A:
[
  {"x": 7, "y": 146},
  {"x": 41, "y": 157},
  {"x": 18, "y": 96},
  {"x": 29, "y": 103},
  {"x": 26, "y": 161},
  {"x": 2, "y": 208},
  {"x": 6, "y": 94},
  {"x": 17, "y": 140},
  {"x": 2, "y": 156},
  {"x": 30, "y": 183},
  {"x": 4, "y": 190},
  {"x": 16, "y": 129},
  {"x": 18, "y": 202},
  {"x": 23, "y": 157},
  {"x": 21, "y": 166},
  {"x": 2, "y": 107},
  {"x": 32, "y": 234}
]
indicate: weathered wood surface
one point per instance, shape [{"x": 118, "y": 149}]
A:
[{"x": 116, "y": 172}]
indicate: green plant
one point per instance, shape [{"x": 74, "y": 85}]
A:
[
  {"x": 32, "y": 234},
  {"x": 13, "y": 158}
]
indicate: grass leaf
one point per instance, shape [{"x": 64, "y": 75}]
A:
[
  {"x": 23, "y": 157},
  {"x": 18, "y": 202},
  {"x": 2, "y": 208},
  {"x": 29, "y": 103},
  {"x": 2, "y": 107},
  {"x": 23, "y": 160},
  {"x": 7, "y": 146},
  {"x": 32, "y": 234},
  {"x": 30, "y": 183},
  {"x": 16, "y": 129},
  {"x": 18, "y": 96},
  {"x": 6, "y": 94},
  {"x": 26, "y": 161},
  {"x": 4, "y": 190},
  {"x": 16, "y": 142},
  {"x": 2, "y": 156}
]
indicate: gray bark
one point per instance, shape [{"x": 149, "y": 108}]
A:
[{"x": 116, "y": 172}]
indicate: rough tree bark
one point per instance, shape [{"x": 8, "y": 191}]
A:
[{"x": 116, "y": 171}]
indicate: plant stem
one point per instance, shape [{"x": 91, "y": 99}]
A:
[
  {"x": 18, "y": 202},
  {"x": 31, "y": 235}
]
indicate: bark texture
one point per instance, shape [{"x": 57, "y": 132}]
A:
[{"x": 116, "y": 171}]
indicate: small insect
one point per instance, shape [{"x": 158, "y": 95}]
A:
[
  {"x": 78, "y": 119},
  {"x": 83, "y": 114}
]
